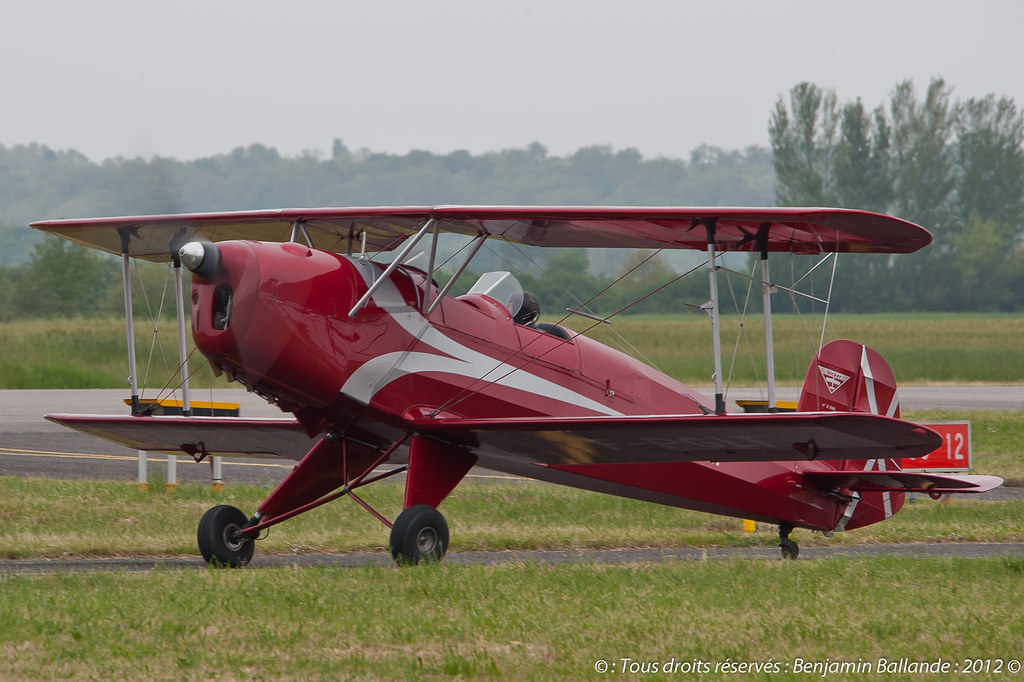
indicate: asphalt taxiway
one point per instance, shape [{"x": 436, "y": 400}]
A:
[{"x": 32, "y": 446}]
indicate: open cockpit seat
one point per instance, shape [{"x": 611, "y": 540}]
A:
[{"x": 553, "y": 329}]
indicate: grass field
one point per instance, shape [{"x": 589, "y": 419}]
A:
[
  {"x": 518, "y": 621},
  {"x": 112, "y": 518},
  {"x": 511, "y": 621},
  {"x": 921, "y": 348},
  {"x": 89, "y": 353},
  {"x": 515, "y": 622}
]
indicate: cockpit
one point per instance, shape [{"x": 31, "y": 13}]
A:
[{"x": 503, "y": 287}]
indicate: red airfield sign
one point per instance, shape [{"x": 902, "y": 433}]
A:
[{"x": 953, "y": 455}]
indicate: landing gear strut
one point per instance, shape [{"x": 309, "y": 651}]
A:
[
  {"x": 420, "y": 534},
  {"x": 790, "y": 550}
]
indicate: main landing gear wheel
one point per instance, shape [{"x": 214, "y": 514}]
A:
[
  {"x": 220, "y": 537},
  {"x": 790, "y": 550},
  {"x": 420, "y": 534}
]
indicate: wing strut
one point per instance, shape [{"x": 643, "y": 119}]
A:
[
  {"x": 716, "y": 335},
  {"x": 133, "y": 381},
  {"x": 476, "y": 247},
  {"x": 179, "y": 304},
  {"x": 766, "y": 300},
  {"x": 430, "y": 270},
  {"x": 361, "y": 303},
  {"x": 297, "y": 228}
]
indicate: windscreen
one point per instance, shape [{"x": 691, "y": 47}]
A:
[{"x": 503, "y": 287}]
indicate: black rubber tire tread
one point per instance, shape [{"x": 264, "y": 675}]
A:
[
  {"x": 406, "y": 532},
  {"x": 212, "y": 535}
]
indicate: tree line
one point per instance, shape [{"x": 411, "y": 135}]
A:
[
  {"x": 48, "y": 276},
  {"x": 954, "y": 166},
  {"x": 38, "y": 183}
]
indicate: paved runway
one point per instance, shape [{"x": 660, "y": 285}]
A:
[{"x": 32, "y": 446}]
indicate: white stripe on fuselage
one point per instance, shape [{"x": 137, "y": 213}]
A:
[{"x": 452, "y": 358}]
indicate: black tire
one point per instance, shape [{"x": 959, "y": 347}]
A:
[
  {"x": 218, "y": 537},
  {"x": 420, "y": 534},
  {"x": 790, "y": 550}
]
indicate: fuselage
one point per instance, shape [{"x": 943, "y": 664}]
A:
[
  {"x": 288, "y": 335},
  {"x": 276, "y": 318}
]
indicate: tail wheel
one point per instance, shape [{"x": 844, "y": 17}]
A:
[
  {"x": 220, "y": 537},
  {"x": 790, "y": 550},
  {"x": 420, "y": 534}
]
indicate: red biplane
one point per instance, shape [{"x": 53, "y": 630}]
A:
[{"x": 378, "y": 365}]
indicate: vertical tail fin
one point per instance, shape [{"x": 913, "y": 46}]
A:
[{"x": 849, "y": 377}]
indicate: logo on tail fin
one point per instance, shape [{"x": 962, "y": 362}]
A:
[{"x": 833, "y": 380}]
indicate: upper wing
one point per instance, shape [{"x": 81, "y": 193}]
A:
[
  {"x": 681, "y": 438},
  {"x": 797, "y": 230},
  {"x": 903, "y": 481},
  {"x": 224, "y": 436}
]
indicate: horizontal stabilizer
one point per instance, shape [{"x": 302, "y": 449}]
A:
[
  {"x": 902, "y": 481},
  {"x": 222, "y": 436},
  {"x": 687, "y": 438}
]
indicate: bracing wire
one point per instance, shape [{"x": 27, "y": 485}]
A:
[
  {"x": 625, "y": 343},
  {"x": 740, "y": 335},
  {"x": 154, "y": 321},
  {"x": 471, "y": 390},
  {"x": 831, "y": 282},
  {"x": 794, "y": 295},
  {"x": 170, "y": 387}
]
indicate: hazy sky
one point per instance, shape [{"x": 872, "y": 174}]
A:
[{"x": 188, "y": 79}]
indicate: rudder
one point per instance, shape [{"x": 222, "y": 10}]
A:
[{"x": 846, "y": 376}]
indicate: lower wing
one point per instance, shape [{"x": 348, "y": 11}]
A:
[
  {"x": 222, "y": 436},
  {"x": 688, "y": 438}
]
